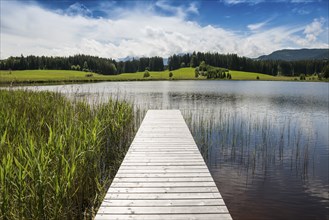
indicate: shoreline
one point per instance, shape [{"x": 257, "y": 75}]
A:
[
  {"x": 58, "y": 77},
  {"x": 67, "y": 82}
]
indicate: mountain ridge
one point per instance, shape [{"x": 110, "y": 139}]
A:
[{"x": 297, "y": 54}]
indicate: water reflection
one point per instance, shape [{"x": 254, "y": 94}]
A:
[{"x": 265, "y": 143}]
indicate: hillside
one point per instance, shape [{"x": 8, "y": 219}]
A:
[{"x": 300, "y": 54}]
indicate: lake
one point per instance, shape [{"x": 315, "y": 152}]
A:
[{"x": 265, "y": 143}]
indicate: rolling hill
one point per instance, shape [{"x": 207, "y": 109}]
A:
[{"x": 299, "y": 54}]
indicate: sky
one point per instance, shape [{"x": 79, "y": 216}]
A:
[{"x": 118, "y": 29}]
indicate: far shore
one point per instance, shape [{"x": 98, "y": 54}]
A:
[{"x": 45, "y": 77}]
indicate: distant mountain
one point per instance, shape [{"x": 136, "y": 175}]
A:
[
  {"x": 127, "y": 58},
  {"x": 299, "y": 54}
]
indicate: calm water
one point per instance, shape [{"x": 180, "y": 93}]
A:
[{"x": 265, "y": 143}]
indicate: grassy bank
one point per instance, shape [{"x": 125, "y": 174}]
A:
[
  {"x": 58, "y": 156},
  {"x": 58, "y": 76}
]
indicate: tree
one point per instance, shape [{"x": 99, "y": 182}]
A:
[
  {"x": 85, "y": 67},
  {"x": 146, "y": 74},
  {"x": 171, "y": 74},
  {"x": 223, "y": 75},
  {"x": 144, "y": 63},
  {"x": 174, "y": 62},
  {"x": 196, "y": 72},
  {"x": 193, "y": 62},
  {"x": 325, "y": 72},
  {"x": 203, "y": 66},
  {"x": 285, "y": 69}
]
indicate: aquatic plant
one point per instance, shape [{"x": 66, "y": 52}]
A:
[{"x": 251, "y": 141}]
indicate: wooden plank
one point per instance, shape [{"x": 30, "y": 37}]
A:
[
  {"x": 182, "y": 167},
  {"x": 195, "y": 216},
  {"x": 168, "y": 170},
  {"x": 165, "y": 149},
  {"x": 161, "y": 150},
  {"x": 187, "y": 153},
  {"x": 157, "y": 185},
  {"x": 163, "y": 140},
  {"x": 133, "y": 158},
  {"x": 165, "y": 145},
  {"x": 181, "y": 172},
  {"x": 163, "y": 132},
  {"x": 134, "y": 175},
  {"x": 190, "y": 163},
  {"x": 175, "y": 157},
  {"x": 162, "y": 154},
  {"x": 166, "y": 155},
  {"x": 164, "y": 190},
  {"x": 163, "y": 179},
  {"x": 162, "y": 196},
  {"x": 165, "y": 210},
  {"x": 153, "y": 151},
  {"x": 163, "y": 161},
  {"x": 163, "y": 176},
  {"x": 162, "y": 202}
]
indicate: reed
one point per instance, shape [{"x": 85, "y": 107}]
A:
[
  {"x": 252, "y": 142},
  {"x": 58, "y": 156}
]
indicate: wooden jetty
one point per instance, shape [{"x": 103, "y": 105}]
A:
[{"x": 163, "y": 176}]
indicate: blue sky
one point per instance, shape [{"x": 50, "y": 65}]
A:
[{"x": 116, "y": 29}]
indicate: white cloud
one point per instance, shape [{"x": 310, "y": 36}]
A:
[
  {"x": 235, "y": 2},
  {"x": 257, "y": 26},
  {"x": 304, "y": 1},
  {"x": 193, "y": 8},
  {"x": 301, "y": 11},
  {"x": 179, "y": 11},
  {"x": 254, "y": 2},
  {"x": 313, "y": 30},
  {"x": 30, "y": 29},
  {"x": 79, "y": 9}
]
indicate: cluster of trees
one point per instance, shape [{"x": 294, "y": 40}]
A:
[
  {"x": 234, "y": 62},
  {"x": 140, "y": 65},
  {"x": 77, "y": 62},
  {"x": 82, "y": 63},
  {"x": 212, "y": 72},
  {"x": 227, "y": 61}
]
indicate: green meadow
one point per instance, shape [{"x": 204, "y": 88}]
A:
[{"x": 59, "y": 76}]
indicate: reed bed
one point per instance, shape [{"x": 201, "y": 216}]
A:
[
  {"x": 58, "y": 156},
  {"x": 252, "y": 142}
]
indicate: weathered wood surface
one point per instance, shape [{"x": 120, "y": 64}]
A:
[{"x": 163, "y": 176}]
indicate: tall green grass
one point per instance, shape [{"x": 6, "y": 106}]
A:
[{"x": 58, "y": 157}]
